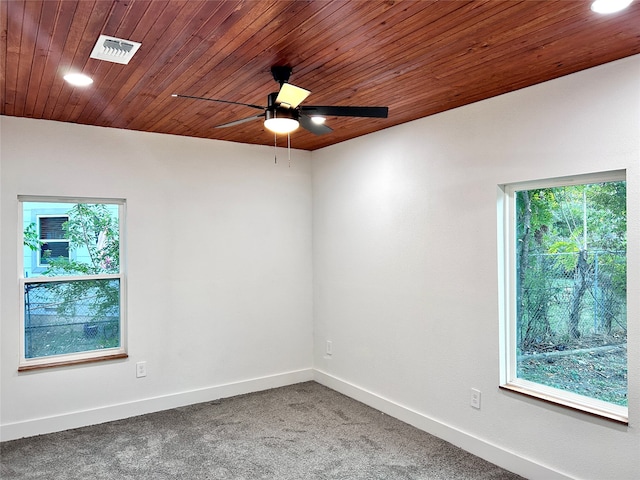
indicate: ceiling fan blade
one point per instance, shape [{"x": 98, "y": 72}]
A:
[
  {"x": 337, "y": 111},
  {"x": 217, "y": 100},
  {"x": 317, "y": 128},
  {"x": 238, "y": 122},
  {"x": 291, "y": 96}
]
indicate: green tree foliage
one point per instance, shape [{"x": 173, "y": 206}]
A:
[
  {"x": 30, "y": 237},
  {"x": 576, "y": 223},
  {"x": 93, "y": 233},
  {"x": 93, "y": 229}
]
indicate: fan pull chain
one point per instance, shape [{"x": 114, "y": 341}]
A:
[{"x": 275, "y": 149}]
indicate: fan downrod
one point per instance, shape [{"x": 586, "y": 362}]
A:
[{"x": 281, "y": 74}]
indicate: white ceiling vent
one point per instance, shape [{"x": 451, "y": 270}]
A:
[{"x": 114, "y": 49}]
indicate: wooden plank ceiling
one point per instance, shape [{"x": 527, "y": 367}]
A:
[{"x": 416, "y": 57}]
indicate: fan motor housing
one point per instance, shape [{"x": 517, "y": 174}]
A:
[
  {"x": 276, "y": 111},
  {"x": 280, "y": 112}
]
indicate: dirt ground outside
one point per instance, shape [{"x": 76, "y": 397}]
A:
[{"x": 594, "y": 367}]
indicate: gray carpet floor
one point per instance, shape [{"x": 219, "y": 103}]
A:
[{"x": 303, "y": 431}]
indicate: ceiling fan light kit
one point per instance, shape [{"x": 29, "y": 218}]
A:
[
  {"x": 279, "y": 116},
  {"x": 283, "y": 113},
  {"x": 281, "y": 120}
]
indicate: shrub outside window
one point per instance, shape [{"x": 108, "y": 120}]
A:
[
  {"x": 566, "y": 289},
  {"x": 72, "y": 281}
]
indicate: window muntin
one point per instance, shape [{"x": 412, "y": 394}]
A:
[
  {"x": 73, "y": 305},
  {"x": 566, "y": 292}
]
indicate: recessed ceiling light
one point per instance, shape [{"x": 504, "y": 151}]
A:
[
  {"x": 318, "y": 120},
  {"x": 78, "y": 79},
  {"x": 609, "y": 6}
]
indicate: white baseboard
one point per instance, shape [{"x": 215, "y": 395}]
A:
[
  {"x": 67, "y": 421},
  {"x": 492, "y": 453}
]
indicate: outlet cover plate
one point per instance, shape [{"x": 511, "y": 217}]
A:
[
  {"x": 475, "y": 398},
  {"x": 141, "y": 369}
]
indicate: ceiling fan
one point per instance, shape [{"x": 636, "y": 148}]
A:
[{"x": 283, "y": 113}]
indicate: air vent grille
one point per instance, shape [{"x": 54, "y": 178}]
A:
[{"x": 115, "y": 50}]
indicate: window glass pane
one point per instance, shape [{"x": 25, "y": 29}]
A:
[
  {"x": 54, "y": 251},
  {"x": 571, "y": 326},
  {"x": 51, "y": 227},
  {"x": 64, "y": 239},
  {"x": 70, "y": 317}
]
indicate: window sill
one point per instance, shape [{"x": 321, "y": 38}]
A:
[
  {"x": 66, "y": 363},
  {"x": 610, "y": 412}
]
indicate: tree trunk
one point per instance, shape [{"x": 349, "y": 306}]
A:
[
  {"x": 579, "y": 288},
  {"x": 523, "y": 261}
]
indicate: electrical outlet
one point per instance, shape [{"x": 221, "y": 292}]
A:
[
  {"x": 329, "y": 348},
  {"x": 141, "y": 369},
  {"x": 475, "y": 398}
]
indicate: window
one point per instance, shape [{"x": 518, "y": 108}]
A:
[
  {"x": 51, "y": 236},
  {"x": 565, "y": 327},
  {"x": 72, "y": 282}
]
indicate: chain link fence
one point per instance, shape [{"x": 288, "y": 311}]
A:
[
  {"x": 567, "y": 296},
  {"x": 70, "y": 317}
]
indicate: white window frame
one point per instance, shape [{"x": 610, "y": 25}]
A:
[
  {"x": 39, "y": 262},
  {"x": 26, "y": 364},
  {"x": 507, "y": 278}
]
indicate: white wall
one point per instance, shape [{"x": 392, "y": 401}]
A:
[
  {"x": 406, "y": 266},
  {"x": 219, "y": 269}
]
